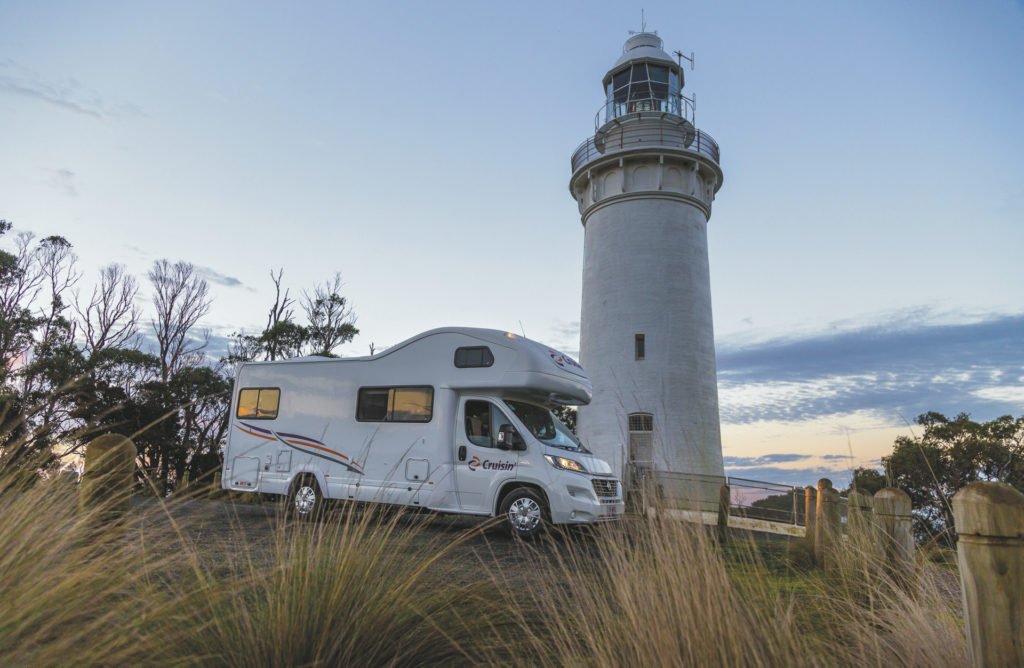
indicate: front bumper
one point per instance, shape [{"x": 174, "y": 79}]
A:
[{"x": 577, "y": 503}]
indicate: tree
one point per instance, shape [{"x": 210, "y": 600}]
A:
[
  {"x": 331, "y": 320},
  {"x": 40, "y": 361},
  {"x": 567, "y": 414},
  {"x": 19, "y": 285},
  {"x": 949, "y": 454},
  {"x": 111, "y": 318},
  {"x": 180, "y": 299},
  {"x": 867, "y": 480}
]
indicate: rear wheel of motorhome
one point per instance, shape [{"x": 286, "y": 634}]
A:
[
  {"x": 525, "y": 513},
  {"x": 305, "y": 500}
]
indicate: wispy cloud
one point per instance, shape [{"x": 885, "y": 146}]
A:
[
  {"x": 897, "y": 367},
  {"x": 793, "y": 469},
  {"x": 62, "y": 180},
  {"x": 763, "y": 460},
  {"x": 67, "y": 94},
  {"x": 215, "y": 276}
]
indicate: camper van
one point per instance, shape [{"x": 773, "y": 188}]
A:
[{"x": 454, "y": 420}]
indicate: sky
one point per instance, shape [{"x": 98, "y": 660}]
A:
[{"x": 865, "y": 247}]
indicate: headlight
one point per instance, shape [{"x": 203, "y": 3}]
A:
[{"x": 567, "y": 464}]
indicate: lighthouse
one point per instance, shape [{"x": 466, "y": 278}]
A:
[{"x": 644, "y": 183}]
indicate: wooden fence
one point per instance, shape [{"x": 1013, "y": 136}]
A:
[{"x": 989, "y": 519}]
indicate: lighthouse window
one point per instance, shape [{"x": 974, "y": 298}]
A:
[
  {"x": 643, "y": 87},
  {"x": 641, "y": 447},
  {"x": 639, "y": 347},
  {"x": 640, "y": 91}
]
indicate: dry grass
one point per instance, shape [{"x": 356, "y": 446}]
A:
[{"x": 369, "y": 586}]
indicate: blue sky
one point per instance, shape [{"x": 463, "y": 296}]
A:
[{"x": 865, "y": 247}]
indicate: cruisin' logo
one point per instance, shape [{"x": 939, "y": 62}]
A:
[
  {"x": 563, "y": 360},
  {"x": 487, "y": 465}
]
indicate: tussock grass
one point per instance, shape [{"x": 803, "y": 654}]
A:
[
  {"x": 666, "y": 594},
  {"x": 72, "y": 588},
  {"x": 651, "y": 593},
  {"x": 877, "y": 615},
  {"x": 373, "y": 586},
  {"x": 348, "y": 590}
]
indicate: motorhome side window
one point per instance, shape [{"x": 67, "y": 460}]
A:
[
  {"x": 395, "y": 404},
  {"x": 475, "y": 356},
  {"x": 483, "y": 420},
  {"x": 258, "y": 403}
]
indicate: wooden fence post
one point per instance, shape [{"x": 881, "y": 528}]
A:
[
  {"x": 860, "y": 518},
  {"x": 827, "y": 529},
  {"x": 892, "y": 511},
  {"x": 989, "y": 518},
  {"x": 810, "y": 513},
  {"x": 724, "y": 504}
]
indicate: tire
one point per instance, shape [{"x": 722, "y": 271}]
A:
[
  {"x": 525, "y": 512},
  {"x": 305, "y": 500}
]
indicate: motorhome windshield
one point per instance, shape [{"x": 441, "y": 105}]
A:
[{"x": 545, "y": 427}]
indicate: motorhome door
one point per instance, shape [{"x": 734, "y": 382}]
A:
[{"x": 480, "y": 467}]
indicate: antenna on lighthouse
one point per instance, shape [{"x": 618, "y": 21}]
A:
[
  {"x": 682, "y": 57},
  {"x": 643, "y": 24}
]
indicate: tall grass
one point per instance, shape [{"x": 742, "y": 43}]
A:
[
  {"x": 349, "y": 590},
  {"x": 72, "y": 588},
  {"x": 651, "y": 593},
  {"x": 367, "y": 586},
  {"x": 666, "y": 594}
]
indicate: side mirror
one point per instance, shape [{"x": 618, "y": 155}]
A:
[{"x": 509, "y": 438}]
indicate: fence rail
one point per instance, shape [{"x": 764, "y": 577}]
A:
[{"x": 751, "y": 499}]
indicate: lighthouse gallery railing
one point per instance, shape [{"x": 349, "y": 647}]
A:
[{"x": 698, "y": 142}]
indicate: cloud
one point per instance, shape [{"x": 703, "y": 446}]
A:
[
  {"x": 68, "y": 94},
  {"x": 798, "y": 477},
  {"x": 793, "y": 469},
  {"x": 62, "y": 180},
  {"x": 763, "y": 460},
  {"x": 216, "y": 277},
  {"x": 897, "y": 367}
]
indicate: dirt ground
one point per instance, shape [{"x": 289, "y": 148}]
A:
[{"x": 219, "y": 528}]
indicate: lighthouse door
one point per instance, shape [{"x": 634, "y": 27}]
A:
[{"x": 641, "y": 452}]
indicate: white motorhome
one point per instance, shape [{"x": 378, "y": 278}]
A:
[{"x": 455, "y": 420}]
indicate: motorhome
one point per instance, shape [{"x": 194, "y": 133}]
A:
[{"x": 455, "y": 420}]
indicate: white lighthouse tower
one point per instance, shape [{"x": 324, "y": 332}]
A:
[{"x": 644, "y": 184}]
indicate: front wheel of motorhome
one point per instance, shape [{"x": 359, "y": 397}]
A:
[
  {"x": 525, "y": 513},
  {"x": 305, "y": 499}
]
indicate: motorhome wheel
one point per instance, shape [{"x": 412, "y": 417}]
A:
[
  {"x": 305, "y": 499},
  {"x": 525, "y": 513}
]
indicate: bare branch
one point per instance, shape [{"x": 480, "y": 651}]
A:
[
  {"x": 111, "y": 318},
  {"x": 181, "y": 299},
  {"x": 331, "y": 319},
  {"x": 281, "y": 309}
]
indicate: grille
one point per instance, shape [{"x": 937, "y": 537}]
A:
[{"x": 605, "y": 487}]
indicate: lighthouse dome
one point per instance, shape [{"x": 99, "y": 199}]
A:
[{"x": 643, "y": 46}]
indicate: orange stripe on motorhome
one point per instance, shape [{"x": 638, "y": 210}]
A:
[
  {"x": 310, "y": 445},
  {"x": 252, "y": 433}
]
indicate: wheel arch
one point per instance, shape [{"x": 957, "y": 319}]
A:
[
  {"x": 315, "y": 474},
  {"x": 513, "y": 485}
]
